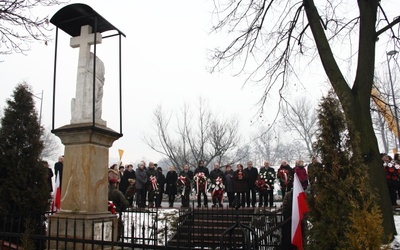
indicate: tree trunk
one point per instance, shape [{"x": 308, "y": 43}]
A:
[
  {"x": 356, "y": 100},
  {"x": 363, "y": 137}
]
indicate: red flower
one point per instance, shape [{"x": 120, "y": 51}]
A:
[{"x": 111, "y": 207}]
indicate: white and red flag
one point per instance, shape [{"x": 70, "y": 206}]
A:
[
  {"x": 299, "y": 208},
  {"x": 57, "y": 195}
]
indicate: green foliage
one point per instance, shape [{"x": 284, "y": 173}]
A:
[
  {"x": 363, "y": 232},
  {"x": 23, "y": 186},
  {"x": 26, "y": 241},
  {"x": 343, "y": 212}
]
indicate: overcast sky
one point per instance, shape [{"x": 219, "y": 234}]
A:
[{"x": 164, "y": 60}]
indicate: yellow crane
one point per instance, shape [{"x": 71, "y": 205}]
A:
[{"x": 383, "y": 107}]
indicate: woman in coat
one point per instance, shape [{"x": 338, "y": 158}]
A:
[
  {"x": 113, "y": 173},
  {"x": 171, "y": 182},
  {"x": 240, "y": 185},
  {"x": 301, "y": 173}
]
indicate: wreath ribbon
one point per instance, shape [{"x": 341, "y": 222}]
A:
[
  {"x": 200, "y": 176},
  {"x": 153, "y": 181},
  {"x": 182, "y": 179}
]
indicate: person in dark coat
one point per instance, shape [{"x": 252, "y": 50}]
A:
[
  {"x": 201, "y": 174},
  {"x": 120, "y": 202},
  {"x": 58, "y": 168},
  {"x": 315, "y": 168},
  {"x": 171, "y": 182},
  {"x": 128, "y": 179},
  {"x": 392, "y": 178},
  {"x": 152, "y": 187},
  {"x": 228, "y": 179},
  {"x": 286, "y": 228},
  {"x": 285, "y": 176},
  {"x": 265, "y": 185},
  {"x": 161, "y": 183},
  {"x": 252, "y": 174},
  {"x": 49, "y": 176},
  {"x": 185, "y": 179},
  {"x": 141, "y": 182},
  {"x": 216, "y": 195},
  {"x": 240, "y": 184}
]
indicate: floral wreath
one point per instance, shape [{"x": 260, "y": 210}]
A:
[
  {"x": 392, "y": 171},
  {"x": 217, "y": 187},
  {"x": 201, "y": 181},
  {"x": 183, "y": 183},
  {"x": 283, "y": 176},
  {"x": 261, "y": 182}
]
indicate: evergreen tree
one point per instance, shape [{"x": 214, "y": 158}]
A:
[
  {"x": 343, "y": 210},
  {"x": 23, "y": 187}
]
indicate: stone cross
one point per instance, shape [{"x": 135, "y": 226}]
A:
[
  {"x": 84, "y": 42},
  {"x": 82, "y": 104}
]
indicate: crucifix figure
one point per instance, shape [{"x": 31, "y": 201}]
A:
[{"x": 82, "y": 104}]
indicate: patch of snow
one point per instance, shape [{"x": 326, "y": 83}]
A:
[{"x": 395, "y": 245}]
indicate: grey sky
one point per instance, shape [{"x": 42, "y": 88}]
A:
[{"x": 164, "y": 63}]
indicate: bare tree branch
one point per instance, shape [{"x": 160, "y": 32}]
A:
[{"x": 19, "y": 27}]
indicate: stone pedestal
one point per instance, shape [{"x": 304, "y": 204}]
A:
[
  {"x": 84, "y": 192},
  {"x": 81, "y": 231}
]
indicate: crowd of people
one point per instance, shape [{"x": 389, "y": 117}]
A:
[
  {"x": 146, "y": 186},
  {"x": 252, "y": 186}
]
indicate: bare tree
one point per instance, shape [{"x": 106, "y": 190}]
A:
[
  {"x": 302, "y": 119},
  {"x": 269, "y": 35},
  {"x": 266, "y": 143},
  {"x": 381, "y": 129},
  {"x": 52, "y": 145},
  {"x": 204, "y": 137},
  {"x": 289, "y": 152},
  {"x": 19, "y": 27}
]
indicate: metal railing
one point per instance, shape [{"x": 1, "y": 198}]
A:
[{"x": 185, "y": 228}]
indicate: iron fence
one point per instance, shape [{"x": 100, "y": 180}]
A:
[{"x": 185, "y": 228}]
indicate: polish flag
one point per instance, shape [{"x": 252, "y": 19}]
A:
[
  {"x": 57, "y": 195},
  {"x": 299, "y": 208}
]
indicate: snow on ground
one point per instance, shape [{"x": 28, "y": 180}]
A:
[{"x": 396, "y": 242}]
